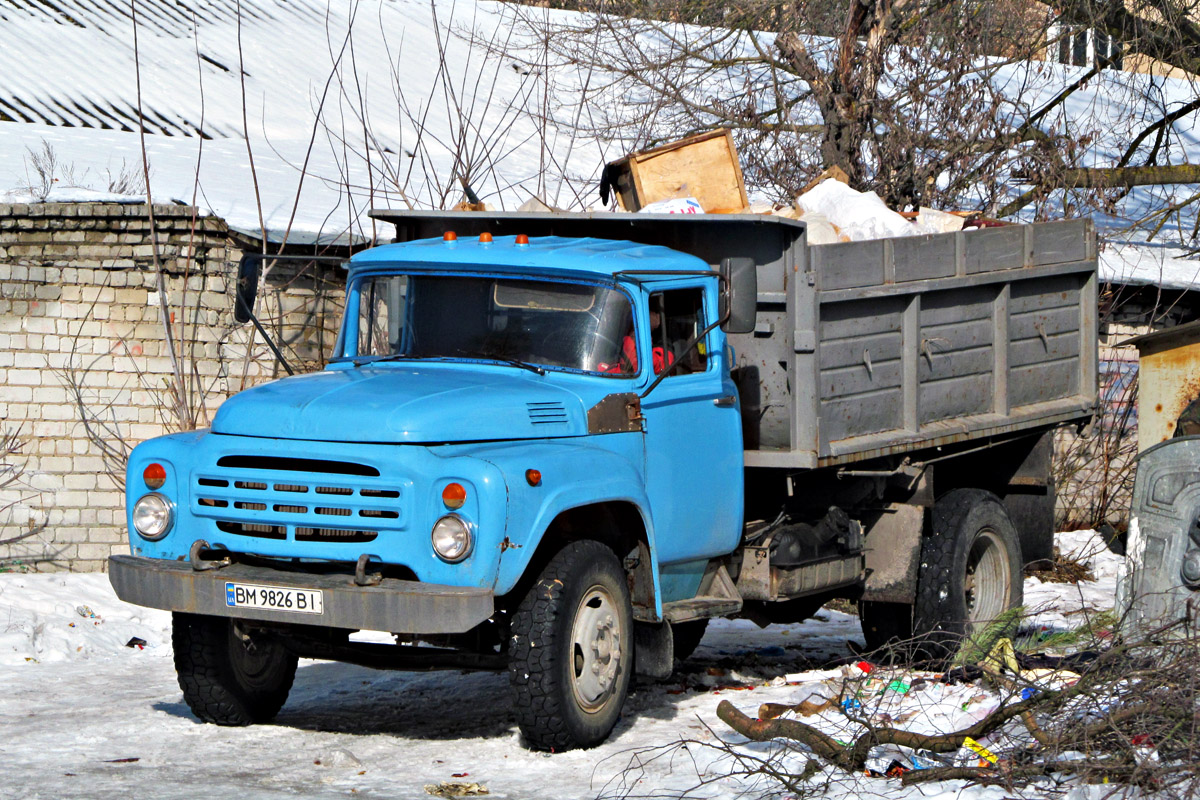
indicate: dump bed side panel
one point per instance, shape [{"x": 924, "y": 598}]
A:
[{"x": 930, "y": 340}]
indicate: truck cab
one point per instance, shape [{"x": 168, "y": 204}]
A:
[{"x": 490, "y": 401}]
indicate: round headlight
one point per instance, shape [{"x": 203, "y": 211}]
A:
[
  {"x": 152, "y": 516},
  {"x": 451, "y": 538}
]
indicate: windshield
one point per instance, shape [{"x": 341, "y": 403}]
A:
[{"x": 542, "y": 323}]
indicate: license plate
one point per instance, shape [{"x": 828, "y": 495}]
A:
[{"x": 274, "y": 598}]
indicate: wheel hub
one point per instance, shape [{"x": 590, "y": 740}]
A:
[
  {"x": 596, "y": 647},
  {"x": 987, "y": 581}
]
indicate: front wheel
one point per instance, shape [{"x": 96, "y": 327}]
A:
[
  {"x": 229, "y": 675},
  {"x": 570, "y": 656}
]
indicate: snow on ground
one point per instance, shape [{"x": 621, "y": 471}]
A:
[
  {"x": 85, "y": 716},
  {"x": 1059, "y": 606}
]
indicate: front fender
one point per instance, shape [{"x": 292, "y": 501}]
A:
[{"x": 575, "y": 473}]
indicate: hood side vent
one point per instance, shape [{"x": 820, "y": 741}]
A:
[{"x": 547, "y": 413}]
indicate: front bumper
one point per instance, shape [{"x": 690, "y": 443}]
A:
[{"x": 394, "y": 605}]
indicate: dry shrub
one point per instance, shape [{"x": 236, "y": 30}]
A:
[{"x": 1125, "y": 715}]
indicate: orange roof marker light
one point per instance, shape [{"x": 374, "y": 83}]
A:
[
  {"x": 522, "y": 240},
  {"x": 449, "y": 236},
  {"x": 485, "y": 238}
]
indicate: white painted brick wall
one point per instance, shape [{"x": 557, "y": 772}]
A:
[{"x": 77, "y": 293}]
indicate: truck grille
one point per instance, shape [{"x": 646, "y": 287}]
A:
[{"x": 311, "y": 500}]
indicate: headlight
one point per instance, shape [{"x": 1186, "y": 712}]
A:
[
  {"x": 452, "y": 538},
  {"x": 152, "y": 516}
]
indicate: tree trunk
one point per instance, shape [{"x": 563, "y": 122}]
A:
[{"x": 1116, "y": 177}]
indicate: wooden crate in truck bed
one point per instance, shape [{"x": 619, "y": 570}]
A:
[{"x": 864, "y": 349}]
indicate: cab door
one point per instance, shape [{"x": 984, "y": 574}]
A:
[{"x": 693, "y": 436}]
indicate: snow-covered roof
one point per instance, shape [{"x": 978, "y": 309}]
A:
[
  {"x": 332, "y": 92},
  {"x": 68, "y": 82},
  {"x": 1141, "y": 263}
]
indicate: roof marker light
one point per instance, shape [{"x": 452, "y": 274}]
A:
[
  {"x": 485, "y": 238},
  {"x": 522, "y": 240},
  {"x": 449, "y": 236}
]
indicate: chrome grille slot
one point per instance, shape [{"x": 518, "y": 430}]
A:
[
  {"x": 252, "y": 529},
  {"x": 291, "y": 487},
  {"x": 378, "y": 513},
  {"x": 333, "y": 512},
  {"x": 282, "y": 509},
  {"x": 255, "y": 485},
  {"x": 334, "y": 490},
  {"x": 250, "y": 506},
  {"x": 305, "y": 534}
]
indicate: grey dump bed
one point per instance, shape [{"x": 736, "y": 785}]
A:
[{"x": 864, "y": 349}]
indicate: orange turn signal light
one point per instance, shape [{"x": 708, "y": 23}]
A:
[
  {"x": 533, "y": 476},
  {"x": 155, "y": 475},
  {"x": 454, "y": 495},
  {"x": 449, "y": 236}
]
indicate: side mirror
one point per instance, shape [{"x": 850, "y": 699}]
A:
[
  {"x": 246, "y": 289},
  {"x": 739, "y": 294}
]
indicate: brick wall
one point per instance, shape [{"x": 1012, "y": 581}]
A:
[{"x": 85, "y": 372}]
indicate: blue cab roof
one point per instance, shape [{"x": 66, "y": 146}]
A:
[{"x": 595, "y": 257}]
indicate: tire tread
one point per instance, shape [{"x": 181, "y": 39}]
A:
[
  {"x": 206, "y": 676},
  {"x": 534, "y": 677}
]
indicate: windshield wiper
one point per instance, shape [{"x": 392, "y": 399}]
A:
[
  {"x": 516, "y": 362},
  {"x": 358, "y": 362}
]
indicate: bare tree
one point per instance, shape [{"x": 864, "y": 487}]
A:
[
  {"x": 911, "y": 99},
  {"x": 17, "y": 527}
]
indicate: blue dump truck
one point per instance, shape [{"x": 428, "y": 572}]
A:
[{"x": 558, "y": 444}]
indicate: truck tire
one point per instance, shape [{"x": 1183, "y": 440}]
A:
[
  {"x": 228, "y": 679},
  {"x": 970, "y": 569},
  {"x": 687, "y": 636},
  {"x": 571, "y": 653}
]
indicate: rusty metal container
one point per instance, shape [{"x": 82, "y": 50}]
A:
[{"x": 1168, "y": 382}]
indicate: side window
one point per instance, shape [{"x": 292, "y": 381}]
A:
[
  {"x": 381, "y": 315},
  {"x": 675, "y": 318}
]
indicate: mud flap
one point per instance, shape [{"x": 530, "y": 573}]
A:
[
  {"x": 653, "y": 650},
  {"x": 1160, "y": 579}
]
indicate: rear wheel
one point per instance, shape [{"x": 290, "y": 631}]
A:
[
  {"x": 572, "y": 649},
  {"x": 970, "y": 569},
  {"x": 970, "y": 573},
  {"x": 230, "y": 676}
]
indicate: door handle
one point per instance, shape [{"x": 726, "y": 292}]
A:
[{"x": 727, "y": 400}]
